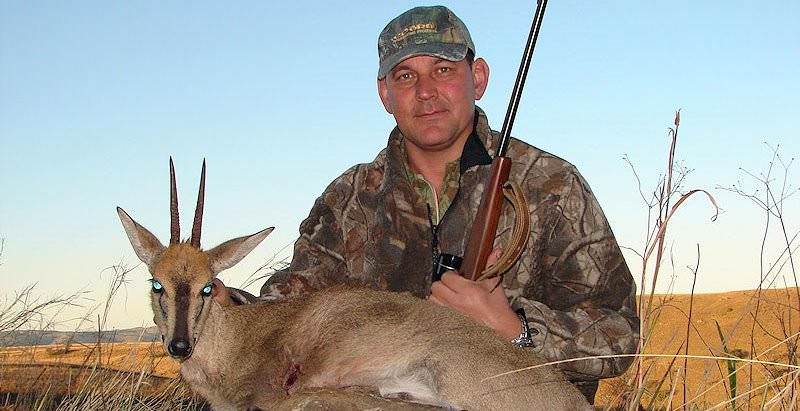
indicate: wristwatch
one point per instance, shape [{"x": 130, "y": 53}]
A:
[{"x": 525, "y": 338}]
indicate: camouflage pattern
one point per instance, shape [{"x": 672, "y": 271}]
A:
[
  {"x": 370, "y": 227},
  {"x": 432, "y": 31},
  {"x": 426, "y": 194}
]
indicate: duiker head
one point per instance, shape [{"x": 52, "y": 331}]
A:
[{"x": 182, "y": 284}]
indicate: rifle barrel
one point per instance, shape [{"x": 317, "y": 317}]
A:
[{"x": 522, "y": 74}]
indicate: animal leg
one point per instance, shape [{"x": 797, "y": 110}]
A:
[{"x": 416, "y": 384}]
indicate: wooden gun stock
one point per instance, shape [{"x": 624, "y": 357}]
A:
[{"x": 481, "y": 237}]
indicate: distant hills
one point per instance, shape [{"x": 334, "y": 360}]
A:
[{"x": 37, "y": 337}]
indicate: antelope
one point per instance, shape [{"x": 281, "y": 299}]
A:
[{"x": 252, "y": 356}]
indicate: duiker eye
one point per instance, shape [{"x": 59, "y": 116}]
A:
[
  {"x": 157, "y": 287},
  {"x": 206, "y": 291}
]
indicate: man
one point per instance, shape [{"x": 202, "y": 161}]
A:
[{"x": 379, "y": 224}]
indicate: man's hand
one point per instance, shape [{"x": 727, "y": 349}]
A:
[{"x": 477, "y": 300}]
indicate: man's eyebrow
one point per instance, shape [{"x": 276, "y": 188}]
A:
[{"x": 400, "y": 66}]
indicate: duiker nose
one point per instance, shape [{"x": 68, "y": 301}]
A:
[{"x": 179, "y": 348}]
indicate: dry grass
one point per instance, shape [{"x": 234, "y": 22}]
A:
[
  {"x": 79, "y": 376},
  {"x": 750, "y": 355},
  {"x": 706, "y": 384},
  {"x": 103, "y": 376}
]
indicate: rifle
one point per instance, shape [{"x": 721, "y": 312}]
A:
[{"x": 484, "y": 228}]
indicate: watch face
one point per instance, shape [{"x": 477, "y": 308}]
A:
[{"x": 524, "y": 339}]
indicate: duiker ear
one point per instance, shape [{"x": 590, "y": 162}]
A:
[
  {"x": 227, "y": 254},
  {"x": 145, "y": 244}
]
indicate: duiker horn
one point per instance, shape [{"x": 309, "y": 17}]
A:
[
  {"x": 198, "y": 211},
  {"x": 175, "y": 225}
]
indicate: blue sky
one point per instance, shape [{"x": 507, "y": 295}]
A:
[{"x": 280, "y": 98}]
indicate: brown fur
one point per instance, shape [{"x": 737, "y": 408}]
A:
[{"x": 344, "y": 336}]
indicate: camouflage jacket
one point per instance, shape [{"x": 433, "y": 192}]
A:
[{"x": 370, "y": 227}]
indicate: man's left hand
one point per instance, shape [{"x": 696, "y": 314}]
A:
[{"x": 484, "y": 301}]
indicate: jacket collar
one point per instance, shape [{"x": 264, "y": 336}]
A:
[{"x": 475, "y": 152}]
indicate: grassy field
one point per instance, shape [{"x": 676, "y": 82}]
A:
[
  {"x": 139, "y": 374},
  {"x": 762, "y": 337},
  {"x": 100, "y": 376}
]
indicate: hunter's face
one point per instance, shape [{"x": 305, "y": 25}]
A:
[{"x": 433, "y": 100}]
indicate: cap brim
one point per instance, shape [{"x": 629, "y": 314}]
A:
[{"x": 447, "y": 51}]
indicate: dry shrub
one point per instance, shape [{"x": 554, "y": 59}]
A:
[
  {"x": 75, "y": 375},
  {"x": 741, "y": 357}
]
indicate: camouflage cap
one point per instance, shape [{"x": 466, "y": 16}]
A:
[{"x": 430, "y": 31}]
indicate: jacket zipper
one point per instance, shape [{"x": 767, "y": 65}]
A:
[
  {"x": 434, "y": 228},
  {"x": 435, "y": 200}
]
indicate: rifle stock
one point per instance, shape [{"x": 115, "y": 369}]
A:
[{"x": 481, "y": 237}]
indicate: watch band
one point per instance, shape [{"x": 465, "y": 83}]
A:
[{"x": 524, "y": 339}]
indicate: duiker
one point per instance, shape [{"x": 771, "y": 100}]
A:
[{"x": 253, "y": 355}]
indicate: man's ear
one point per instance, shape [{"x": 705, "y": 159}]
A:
[
  {"x": 480, "y": 76},
  {"x": 383, "y": 92}
]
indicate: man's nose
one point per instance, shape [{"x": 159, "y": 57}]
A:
[{"x": 426, "y": 88}]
